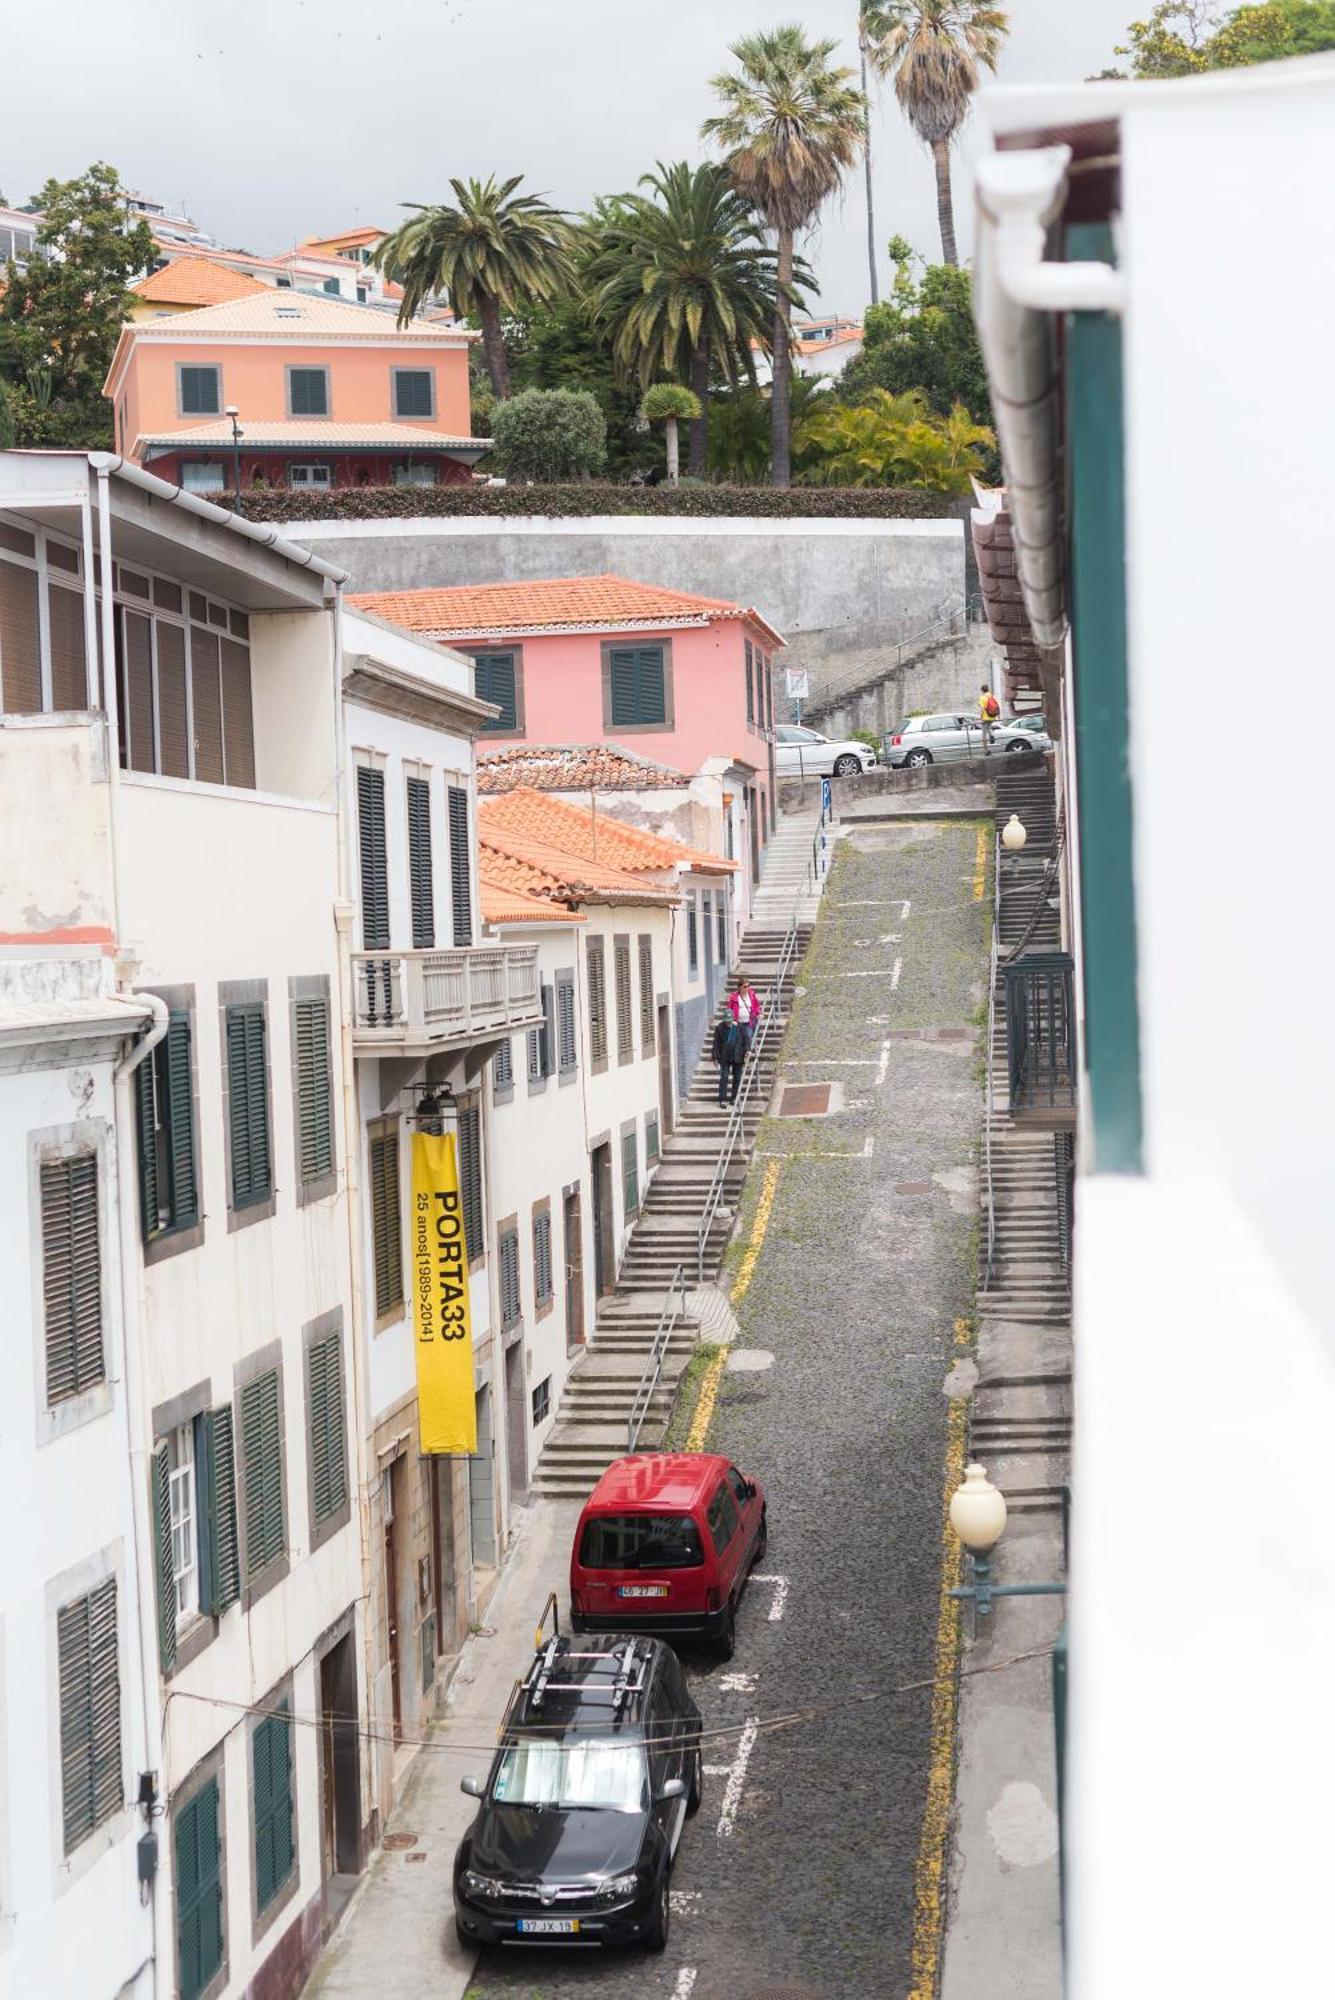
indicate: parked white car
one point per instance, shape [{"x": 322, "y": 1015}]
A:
[{"x": 804, "y": 753}]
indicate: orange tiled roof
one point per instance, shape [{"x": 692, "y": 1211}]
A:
[
  {"x": 510, "y": 867},
  {"x": 573, "y": 767},
  {"x": 196, "y": 281},
  {"x": 593, "y": 839},
  {"x": 557, "y": 604},
  {"x": 503, "y": 905}
]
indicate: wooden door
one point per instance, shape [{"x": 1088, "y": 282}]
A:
[
  {"x": 665, "y": 1093},
  {"x": 604, "y": 1246},
  {"x": 392, "y": 1489},
  {"x": 574, "y": 1256}
]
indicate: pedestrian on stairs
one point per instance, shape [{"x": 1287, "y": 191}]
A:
[
  {"x": 989, "y": 709},
  {"x": 729, "y": 1052},
  {"x": 744, "y": 1006}
]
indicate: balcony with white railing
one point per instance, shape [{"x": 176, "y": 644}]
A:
[{"x": 417, "y": 1001}]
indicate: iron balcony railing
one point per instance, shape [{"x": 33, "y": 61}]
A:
[
  {"x": 1040, "y": 1034},
  {"x": 430, "y": 998}
]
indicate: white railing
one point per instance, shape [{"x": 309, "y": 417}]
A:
[{"x": 445, "y": 996}]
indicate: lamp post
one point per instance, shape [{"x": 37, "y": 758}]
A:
[
  {"x": 1014, "y": 834},
  {"x": 978, "y": 1516},
  {"x": 232, "y": 412}
]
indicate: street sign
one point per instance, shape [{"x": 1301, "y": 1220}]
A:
[
  {"x": 826, "y": 802},
  {"x": 798, "y": 687}
]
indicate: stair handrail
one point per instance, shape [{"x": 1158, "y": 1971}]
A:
[
  {"x": 653, "y": 1367},
  {"x": 950, "y": 618},
  {"x": 733, "y": 1129},
  {"x": 991, "y": 1032}
]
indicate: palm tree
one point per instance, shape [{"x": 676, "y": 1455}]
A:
[
  {"x": 896, "y": 441},
  {"x": 684, "y": 280},
  {"x": 790, "y": 127},
  {"x": 868, "y": 12},
  {"x": 489, "y": 253},
  {"x": 664, "y": 404},
  {"x": 935, "y": 49}
]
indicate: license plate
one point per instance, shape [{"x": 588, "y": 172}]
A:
[
  {"x": 549, "y": 1926},
  {"x": 642, "y": 1590}
]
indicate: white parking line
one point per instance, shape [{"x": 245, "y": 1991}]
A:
[
  {"x": 685, "y": 1985},
  {"x": 780, "y": 1597},
  {"x": 732, "y": 1796},
  {"x": 685, "y": 1902},
  {"x": 738, "y": 1683},
  {"x": 894, "y": 976},
  {"x": 879, "y": 973},
  {"x": 883, "y": 1065}
]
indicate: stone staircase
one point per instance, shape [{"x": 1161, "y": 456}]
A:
[
  {"x": 789, "y": 885},
  {"x": 590, "y": 1430}
]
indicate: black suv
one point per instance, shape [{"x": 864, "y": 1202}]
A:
[{"x": 580, "y": 1817}]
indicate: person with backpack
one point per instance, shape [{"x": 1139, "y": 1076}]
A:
[
  {"x": 989, "y": 708},
  {"x": 744, "y": 1006},
  {"x": 729, "y": 1052}
]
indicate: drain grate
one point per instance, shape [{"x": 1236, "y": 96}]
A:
[
  {"x": 397, "y": 1840},
  {"x": 804, "y": 1100}
]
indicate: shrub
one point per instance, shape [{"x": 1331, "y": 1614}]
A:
[
  {"x": 690, "y": 499},
  {"x": 545, "y": 434}
]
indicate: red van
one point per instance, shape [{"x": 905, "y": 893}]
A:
[{"x": 665, "y": 1544}]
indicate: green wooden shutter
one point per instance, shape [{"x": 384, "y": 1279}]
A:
[
  {"x": 420, "y": 891},
  {"x": 71, "y": 1277},
  {"x": 542, "y": 1257},
  {"x": 566, "y": 1047},
  {"x": 639, "y": 686},
  {"x": 329, "y": 1477},
  {"x": 646, "y": 996},
  {"x": 461, "y": 895},
  {"x": 180, "y": 1122},
  {"x": 248, "y": 1104},
  {"x": 510, "y": 1295},
  {"x": 750, "y": 685},
  {"x": 146, "y": 1134},
  {"x": 199, "y": 1892},
  {"x": 271, "y": 1755},
  {"x": 262, "y": 1471},
  {"x": 597, "y": 999},
  {"x": 386, "y": 1221},
  {"x": 90, "y": 1713},
  {"x": 470, "y": 1179},
  {"x": 162, "y": 1551},
  {"x": 220, "y": 1454},
  {"x": 630, "y": 1173},
  {"x": 314, "y": 1098},
  {"x": 625, "y": 1035},
  {"x": 494, "y": 680},
  {"x": 651, "y": 1141},
  {"x": 692, "y": 936},
  {"x": 374, "y": 866}
]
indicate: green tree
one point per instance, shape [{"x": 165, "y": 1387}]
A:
[
  {"x": 935, "y": 50},
  {"x": 895, "y": 441},
  {"x": 1187, "y": 38},
  {"x": 922, "y": 337},
  {"x": 669, "y": 403},
  {"x": 558, "y": 346},
  {"x": 685, "y": 283},
  {"x": 491, "y": 252},
  {"x": 790, "y": 128},
  {"x": 740, "y": 433},
  {"x": 61, "y": 316},
  {"x": 550, "y": 435}
]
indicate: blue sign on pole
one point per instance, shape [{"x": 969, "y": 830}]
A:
[{"x": 826, "y": 801}]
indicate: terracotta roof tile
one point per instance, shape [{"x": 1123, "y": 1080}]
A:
[
  {"x": 592, "y": 839},
  {"x": 196, "y": 281},
  {"x": 306, "y": 317},
  {"x": 573, "y": 767},
  {"x": 552, "y": 605}
]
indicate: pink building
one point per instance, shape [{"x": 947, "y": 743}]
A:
[
  {"x": 327, "y": 394},
  {"x": 679, "y": 679}
]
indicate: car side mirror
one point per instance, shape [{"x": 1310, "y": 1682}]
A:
[
  {"x": 748, "y": 1489},
  {"x": 674, "y": 1788},
  {"x": 475, "y": 1787}
]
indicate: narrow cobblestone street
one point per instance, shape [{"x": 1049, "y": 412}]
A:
[{"x": 798, "y": 1875}]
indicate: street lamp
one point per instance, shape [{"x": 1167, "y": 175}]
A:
[
  {"x": 1014, "y": 834},
  {"x": 233, "y": 412},
  {"x": 978, "y": 1516}
]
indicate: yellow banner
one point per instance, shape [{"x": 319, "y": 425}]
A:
[{"x": 447, "y": 1408}]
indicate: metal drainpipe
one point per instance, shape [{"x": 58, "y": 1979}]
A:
[
  {"x": 110, "y": 693},
  {"x": 132, "y": 1415},
  {"x": 344, "y": 913}
]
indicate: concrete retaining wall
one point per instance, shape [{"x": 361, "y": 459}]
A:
[
  {"x": 795, "y": 797},
  {"x": 827, "y": 585},
  {"x": 945, "y": 675}
]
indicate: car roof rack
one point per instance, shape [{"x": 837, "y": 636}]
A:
[{"x": 631, "y": 1677}]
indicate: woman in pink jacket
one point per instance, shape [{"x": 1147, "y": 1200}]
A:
[{"x": 744, "y": 1006}]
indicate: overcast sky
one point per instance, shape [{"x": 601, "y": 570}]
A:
[{"x": 277, "y": 119}]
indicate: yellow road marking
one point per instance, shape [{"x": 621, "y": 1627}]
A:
[
  {"x": 758, "y": 1228},
  {"x": 980, "y": 866},
  {"x": 963, "y": 1337},
  {"x": 929, "y": 1882},
  {"x": 704, "y": 1409}
]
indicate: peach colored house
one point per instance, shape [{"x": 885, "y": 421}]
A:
[
  {"x": 678, "y": 679},
  {"x": 327, "y": 394}
]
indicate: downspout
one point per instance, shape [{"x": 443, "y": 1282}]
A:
[
  {"x": 137, "y": 1446},
  {"x": 1020, "y": 196},
  {"x": 110, "y": 692}
]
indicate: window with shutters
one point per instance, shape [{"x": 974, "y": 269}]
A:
[
  {"x": 183, "y": 685},
  {"x": 420, "y": 894},
  {"x": 386, "y": 1218},
  {"x": 327, "y": 1428},
  {"x": 507, "y": 1249},
  {"x": 71, "y": 1276},
  {"x": 721, "y": 911},
  {"x": 461, "y": 894},
  {"x": 308, "y": 392},
  {"x": 92, "y": 1785},
  {"x": 542, "y": 1400},
  {"x": 651, "y": 1143},
  {"x": 625, "y": 1014},
  {"x": 692, "y": 935},
  {"x": 197, "y": 1851},
  {"x": 165, "y": 1114},
  {"x": 543, "y": 1290},
  {"x": 199, "y": 391},
  {"x": 195, "y": 1531},
  {"x": 630, "y": 1173},
  {"x": 248, "y": 1104},
  {"x": 414, "y": 392},
  {"x": 264, "y": 1538},
  {"x": 372, "y": 856},
  {"x": 647, "y": 1036},
  {"x": 313, "y": 1088},
  {"x": 498, "y": 676},
  {"x": 597, "y": 968},
  {"x": 184, "y": 1524},
  {"x": 567, "y": 1039},
  {"x": 271, "y": 1794},
  {"x": 503, "y": 1071},
  {"x": 542, "y": 1042},
  {"x": 470, "y": 1180},
  {"x": 750, "y": 684},
  {"x": 637, "y": 687}
]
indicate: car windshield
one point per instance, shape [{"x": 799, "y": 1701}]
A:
[
  {"x": 611, "y": 1777},
  {"x": 640, "y": 1541}
]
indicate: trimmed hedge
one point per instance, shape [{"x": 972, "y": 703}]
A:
[{"x": 360, "y": 503}]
